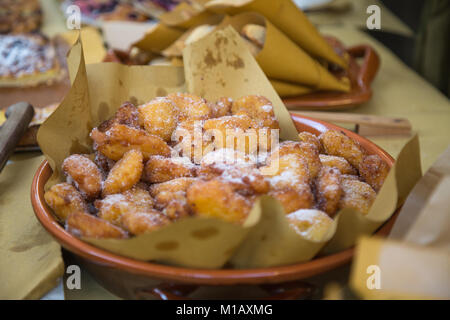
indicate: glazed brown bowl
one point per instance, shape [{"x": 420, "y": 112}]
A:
[{"x": 129, "y": 278}]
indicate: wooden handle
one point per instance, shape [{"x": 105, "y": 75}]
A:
[
  {"x": 367, "y": 125},
  {"x": 18, "y": 117}
]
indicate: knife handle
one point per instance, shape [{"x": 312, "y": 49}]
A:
[{"x": 18, "y": 117}]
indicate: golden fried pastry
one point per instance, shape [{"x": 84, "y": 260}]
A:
[
  {"x": 64, "y": 199},
  {"x": 84, "y": 174},
  {"x": 306, "y": 151},
  {"x": 357, "y": 195},
  {"x": 374, "y": 171},
  {"x": 328, "y": 190},
  {"x": 191, "y": 106},
  {"x": 311, "y": 224},
  {"x": 181, "y": 156},
  {"x": 310, "y": 138},
  {"x": 287, "y": 169},
  {"x": 190, "y": 142},
  {"x": 159, "y": 117},
  {"x": 236, "y": 132},
  {"x": 119, "y": 138},
  {"x": 221, "y": 108},
  {"x": 128, "y": 115},
  {"x": 338, "y": 163},
  {"x": 165, "y": 192},
  {"x": 28, "y": 60},
  {"x": 83, "y": 224},
  {"x": 217, "y": 198},
  {"x": 159, "y": 169},
  {"x": 237, "y": 168},
  {"x": 293, "y": 199},
  {"x": 258, "y": 108},
  {"x": 336, "y": 143},
  {"x": 177, "y": 209},
  {"x": 138, "y": 222},
  {"x": 113, "y": 206},
  {"x": 125, "y": 173}
]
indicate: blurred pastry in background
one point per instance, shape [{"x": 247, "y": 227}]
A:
[
  {"x": 19, "y": 16},
  {"x": 29, "y": 60}
]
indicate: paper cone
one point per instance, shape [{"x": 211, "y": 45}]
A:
[
  {"x": 289, "y": 19},
  {"x": 158, "y": 38},
  {"x": 281, "y": 59},
  {"x": 185, "y": 16},
  {"x": 286, "y": 89}
]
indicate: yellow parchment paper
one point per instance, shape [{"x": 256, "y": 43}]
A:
[
  {"x": 31, "y": 261},
  {"x": 215, "y": 66},
  {"x": 288, "y": 18},
  {"x": 282, "y": 59}
]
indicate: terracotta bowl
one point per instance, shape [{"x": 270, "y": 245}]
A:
[{"x": 129, "y": 278}]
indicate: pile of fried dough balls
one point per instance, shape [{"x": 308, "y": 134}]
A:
[{"x": 138, "y": 179}]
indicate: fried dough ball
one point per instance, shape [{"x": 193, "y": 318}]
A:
[
  {"x": 191, "y": 106},
  {"x": 221, "y": 108},
  {"x": 113, "y": 206},
  {"x": 310, "y": 138},
  {"x": 374, "y": 171},
  {"x": 258, "y": 108},
  {"x": 159, "y": 117},
  {"x": 64, "y": 199},
  {"x": 83, "y": 224},
  {"x": 328, "y": 190},
  {"x": 293, "y": 199},
  {"x": 357, "y": 195},
  {"x": 125, "y": 173},
  {"x": 119, "y": 138},
  {"x": 306, "y": 151},
  {"x": 84, "y": 174},
  {"x": 189, "y": 136},
  {"x": 138, "y": 222},
  {"x": 159, "y": 169},
  {"x": 217, "y": 198},
  {"x": 128, "y": 115},
  {"x": 289, "y": 181},
  {"x": 336, "y": 143},
  {"x": 177, "y": 209},
  {"x": 310, "y": 223},
  {"x": 337, "y": 162},
  {"x": 237, "y": 132},
  {"x": 165, "y": 192},
  {"x": 287, "y": 169},
  {"x": 237, "y": 168}
]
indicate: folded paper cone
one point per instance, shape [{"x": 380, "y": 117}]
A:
[
  {"x": 289, "y": 19},
  {"x": 186, "y": 16},
  {"x": 282, "y": 59},
  {"x": 286, "y": 89},
  {"x": 158, "y": 38}
]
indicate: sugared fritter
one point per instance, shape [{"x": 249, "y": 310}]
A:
[
  {"x": 119, "y": 138},
  {"x": 84, "y": 174},
  {"x": 336, "y": 143},
  {"x": 374, "y": 171},
  {"x": 64, "y": 199},
  {"x": 85, "y": 225},
  {"x": 357, "y": 195},
  {"x": 125, "y": 173}
]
